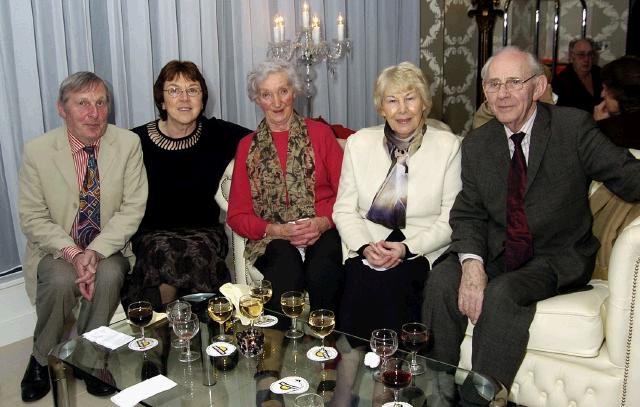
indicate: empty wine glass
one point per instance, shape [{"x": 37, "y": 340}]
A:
[
  {"x": 220, "y": 310},
  {"x": 292, "y": 303},
  {"x": 178, "y": 310},
  {"x": 414, "y": 337},
  {"x": 322, "y": 322},
  {"x": 186, "y": 329},
  {"x": 396, "y": 375},
  {"x": 384, "y": 342},
  {"x": 250, "y": 307},
  {"x": 140, "y": 314},
  {"x": 262, "y": 289},
  {"x": 309, "y": 400}
]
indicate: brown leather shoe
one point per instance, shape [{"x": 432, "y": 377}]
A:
[{"x": 35, "y": 383}]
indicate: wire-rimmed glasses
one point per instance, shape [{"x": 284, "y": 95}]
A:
[{"x": 510, "y": 84}]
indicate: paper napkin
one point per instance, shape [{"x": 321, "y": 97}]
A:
[
  {"x": 108, "y": 337},
  {"x": 234, "y": 292},
  {"x": 131, "y": 396}
]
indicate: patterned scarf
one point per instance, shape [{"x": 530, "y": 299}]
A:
[
  {"x": 389, "y": 206},
  {"x": 277, "y": 197}
]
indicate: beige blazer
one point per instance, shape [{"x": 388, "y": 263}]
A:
[
  {"x": 49, "y": 196},
  {"x": 434, "y": 182}
]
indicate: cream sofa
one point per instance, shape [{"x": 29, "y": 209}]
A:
[
  {"x": 241, "y": 271},
  {"x": 580, "y": 351},
  {"x": 581, "y": 346}
]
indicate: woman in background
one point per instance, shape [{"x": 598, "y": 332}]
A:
[{"x": 181, "y": 246}]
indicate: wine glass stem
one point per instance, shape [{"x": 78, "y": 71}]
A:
[
  {"x": 188, "y": 348},
  {"x": 142, "y": 332},
  {"x": 293, "y": 324},
  {"x": 322, "y": 344},
  {"x": 221, "y": 329},
  {"x": 396, "y": 395},
  {"x": 414, "y": 362}
]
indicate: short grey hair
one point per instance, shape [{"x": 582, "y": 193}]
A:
[
  {"x": 535, "y": 66},
  {"x": 573, "y": 42},
  {"x": 80, "y": 81},
  {"x": 258, "y": 74}
]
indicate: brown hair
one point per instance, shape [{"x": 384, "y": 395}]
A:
[{"x": 172, "y": 70}]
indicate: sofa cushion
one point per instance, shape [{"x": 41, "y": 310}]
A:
[{"x": 569, "y": 324}]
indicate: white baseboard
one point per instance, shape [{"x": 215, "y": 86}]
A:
[{"x": 17, "y": 315}]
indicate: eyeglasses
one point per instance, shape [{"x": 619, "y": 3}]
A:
[
  {"x": 510, "y": 84},
  {"x": 584, "y": 54},
  {"x": 175, "y": 92}
]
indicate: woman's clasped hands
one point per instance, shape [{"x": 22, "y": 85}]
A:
[{"x": 385, "y": 254}]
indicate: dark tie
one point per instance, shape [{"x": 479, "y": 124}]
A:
[
  {"x": 519, "y": 244},
  {"x": 89, "y": 212}
]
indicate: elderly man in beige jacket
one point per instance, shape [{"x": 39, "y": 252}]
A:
[{"x": 83, "y": 191}]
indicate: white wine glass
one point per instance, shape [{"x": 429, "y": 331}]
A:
[
  {"x": 220, "y": 309},
  {"x": 178, "y": 310},
  {"x": 384, "y": 342},
  {"x": 250, "y": 307},
  {"x": 263, "y": 290},
  {"x": 322, "y": 322},
  {"x": 292, "y": 303},
  {"x": 186, "y": 329}
]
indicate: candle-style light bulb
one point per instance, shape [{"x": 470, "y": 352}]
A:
[
  {"x": 340, "y": 27},
  {"x": 276, "y": 29},
  {"x": 281, "y": 28},
  {"x": 305, "y": 15},
  {"x": 315, "y": 30}
]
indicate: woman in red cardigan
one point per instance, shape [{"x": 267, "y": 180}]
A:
[{"x": 284, "y": 185}]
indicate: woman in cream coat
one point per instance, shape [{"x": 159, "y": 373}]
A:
[{"x": 398, "y": 183}]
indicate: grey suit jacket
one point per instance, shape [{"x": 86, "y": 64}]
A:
[
  {"x": 567, "y": 152},
  {"x": 49, "y": 196}
]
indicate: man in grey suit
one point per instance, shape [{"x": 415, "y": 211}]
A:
[
  {"x": 521, "y": 226},
  {"x": 83, "y": 192}
]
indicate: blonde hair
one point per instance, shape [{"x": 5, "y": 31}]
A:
[{"x": 403, "y": 77}]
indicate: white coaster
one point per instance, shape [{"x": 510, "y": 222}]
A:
[
  {"x": 322, "y": 355},
  {"x": 220, "y": 349},
  {"x": 396, "y": 404},
  {"x": 140, "y": 345},
  {"x": 290, "y": 385},
  {"x": 269, "y": 320}
]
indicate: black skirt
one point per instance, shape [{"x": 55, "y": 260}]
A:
[
  {"x": 192, "y": 260},
  {"x": 381, "y": 299}
]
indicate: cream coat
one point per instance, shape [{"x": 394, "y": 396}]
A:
[
  {"x": 434, "y": 182},
  {"x": 49, "y": 196}
]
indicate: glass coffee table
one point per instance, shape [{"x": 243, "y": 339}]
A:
[{"x": 237, "y": 380}]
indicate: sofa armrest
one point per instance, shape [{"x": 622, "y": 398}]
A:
[
  {"x": 243, "y": 272},
  {"x": 623, "y": 320}
]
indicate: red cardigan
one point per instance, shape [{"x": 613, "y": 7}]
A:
[{"x": 328, "y": 161}]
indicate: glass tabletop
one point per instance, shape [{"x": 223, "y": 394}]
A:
[{"x": 237, "y": 380}]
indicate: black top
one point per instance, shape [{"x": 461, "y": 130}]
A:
[
  {"x": 184, "y": 173},
  {"x": 622, "y": 129},
  {"x": 571, "y": 92}
]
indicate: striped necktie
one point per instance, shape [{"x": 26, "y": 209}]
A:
[{"x": 89, "y": 212}]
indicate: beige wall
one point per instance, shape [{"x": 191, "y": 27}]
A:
[{"x": 449, "y": 42}]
